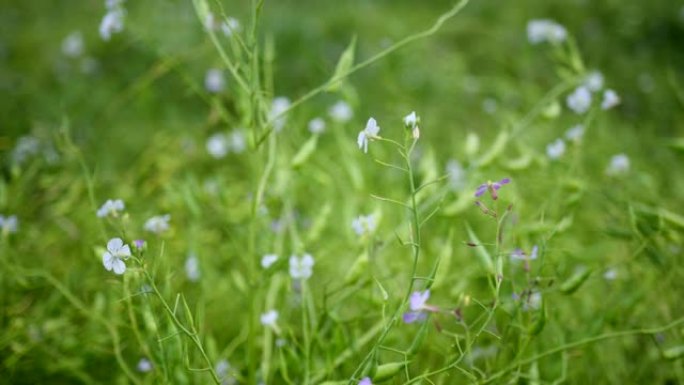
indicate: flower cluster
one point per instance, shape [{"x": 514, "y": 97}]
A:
[
  {"x": 111, "y": 208},
  {"x": 219, "y": 145},
  {"x": 158, "y": 224},
  {"x": 113, "y": 20},
  {"x": 364, "y": 224},
  {"x": 545, "y": 30}
]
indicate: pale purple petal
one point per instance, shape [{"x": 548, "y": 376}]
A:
[
  {"x": 114, "y": 244},
  {"x": 107, "y": 260},
  {"x": 119, "y": 266},
  {"x": 365, "y": 381},
  {"x": 481, "y": 190},
  {"x": 533, "y": 255},
  {"x": 413, "y": 316},
  {"x": 125, "y": 251},
  {"x": 505, "y": 181},
  {"x": 418, "y": 299}
]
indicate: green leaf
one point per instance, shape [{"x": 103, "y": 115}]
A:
[{"x": 344, "y": 64}]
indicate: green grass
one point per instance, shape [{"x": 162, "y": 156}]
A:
[{"x": 136, "y": 129}]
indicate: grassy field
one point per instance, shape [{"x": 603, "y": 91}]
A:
[{"x": 359, "y": 192}]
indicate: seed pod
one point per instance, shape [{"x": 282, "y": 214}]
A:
[
  {"x": 540, "y": 322},
  {"x": 573, "y": 283},
  {"x": 674, "y": 352},
  {"x": 418, "y": 339},
  {"x": 387, "y": 371}
]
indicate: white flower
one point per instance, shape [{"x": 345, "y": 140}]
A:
[
  {"x": 110, "y": 208},
  {"x": 341, "y": 112},
  {"x": 72, "y": 45},
  {"x": 301, "y": 268},
  {"x": 364, "y": 224},
  {"x": 490, "y": 105},
  {"x": 317, "y": 126},
  {"x": 594, "y": 81},
  {"x": 456, "y": 175},
  {"x": 113, "y": 4},
  {"x": 580, "y": 100},
  {"x": 158, "y": 224},
  {"x": 545, "y": 30},
  {"x": 26, "y": 147},
  {"x": 231, "y": 26},
  {"x": 556, "y": 149},
  {"x": 214, "y": 80},
  {"x": 411, "y": 119},
  {"x": 9, "y": 224},
  {"x": 237, "y": 141},
  {"x": 268, "y": 260},
  {"x": 112, "y": 22},
  {"x": 575, "y": 133},
  {"x": 192, "y": 270},
  {"x": 113, "y": 258},
  {"x": 269, "y": 318},
  {"x": 610, "y": 274},
  {"x": 619, "y": 164},
  {"x": 217, "y": 145},
  {"x": 610, "y": 99},
  {"x": 279, "y": 106},
  {"x": 370, "y": 132},
  {"x": 222, "y": 367},
  {"x": 211, "y": 22},
  {"x": 144, "y": 365}
]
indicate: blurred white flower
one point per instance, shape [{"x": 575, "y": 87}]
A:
[
  {"x": 317, "y": 126},
  {"x": 158, "y": 224},
  {"x": 214, "y": 81},
  {"x": 279, "y": 106},
  {"x": 222, "y": 367},
  {"x": 113, "y": 4},
  {"x": 610, "y": 99},
  {"x": 545, "y": 30},
  {"x": 301, "y": 267},
  {"x": 9, "y": 224},
  {"x": 230, "y": 26},
  {"x": 112, "y": 22},
  {"x": 110, "y": 208},
  {"x": 556, "y": 149},
  {"x": 192, "y": 270},
  {"x": 575, "y": 133},
  {"x": 72, "y": 45},
  {"x": 580, "y": 100},
  {"x": 456, "y": 175},
  {"x": 211, "y": 22},
  {"x": 610, "y": 274},
  {"x": 117, "y": 252},
  {"x": 594, "y": 81},
  {"x": 341, "y": 112},
  {"x": 217, "y": 145},
  {"x": 237, "y": 142},
  {"x": 269, "y": 318},
  {"x": 411, "y": 119},
  {"x": 490, "y": 105},
  {"x": 268, "y": 260},
  {"x": 364, "y": 224},
  {"x": 144, "y": 365},
  {"x": 370, "y": 132},
  {"x": 26, "y": 147},
  {"x": 619, "y": 164}
]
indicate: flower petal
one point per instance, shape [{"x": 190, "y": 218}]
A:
[
  {"x": 114, "y": 245},
  {"x": 107, "y": 259},
  {"x": 119, "y": 266}
]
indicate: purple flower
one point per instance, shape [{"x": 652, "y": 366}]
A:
[
  {"x": 492, "y": 187},
  {"x": 139, "y": 243},
  {"x": 521, "y": 255},
  {"x": 417, "y": 304},
  {"x": 365, "y": 381}
]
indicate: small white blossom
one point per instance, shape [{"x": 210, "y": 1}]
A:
[
  {"x": 72, "y": 45},
  {"x": 192, "y": 270},
  {"x": 117, "y": 252},
  {"x": 217, "y": 145},
  {"x": 619, "y": 164},
  {"x": 158, "y": 224},
  {"x": 545, "y": 30},
  {"x": 610, "y": 274},
  {"x": 211, "y": 23},
  {"x": 610, "y": 99},
  {"x": 111, "y": 208},
  {"x": 9, "y": 224},
  {"x": 456, "y": 175},
  {"x": 490, "y": 105},
  {"x": 594, "y": 81},
  {"x": 301, "y": 268},
  {"x": 341, "y": 112},
  {"x": 268, "y": 260},
  {"x": 317, "y": 126},
  {"x": 279, "y": 106},
  {"x": 364, "y": 224},
  {"x": 269, "y": 318},
  {"x": 556, "y": 149},
  {"x": 580, "y": 100},
  {"x": 144, "y": 365},
  {"x": 575, "y": 133},
  {"x": 411, "y": 120},
  {"x": 26, "y": 147},
  {"x": 112, "y": 22},
  {"x": 237, "y": 142},
  {"x": 214, "y": 81},
  {"x": 222, "y": 367},
  {"x": 370, "y": 132},
  {"x": 231, "y": 26},
  {"x": 113, "y": 4}
]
